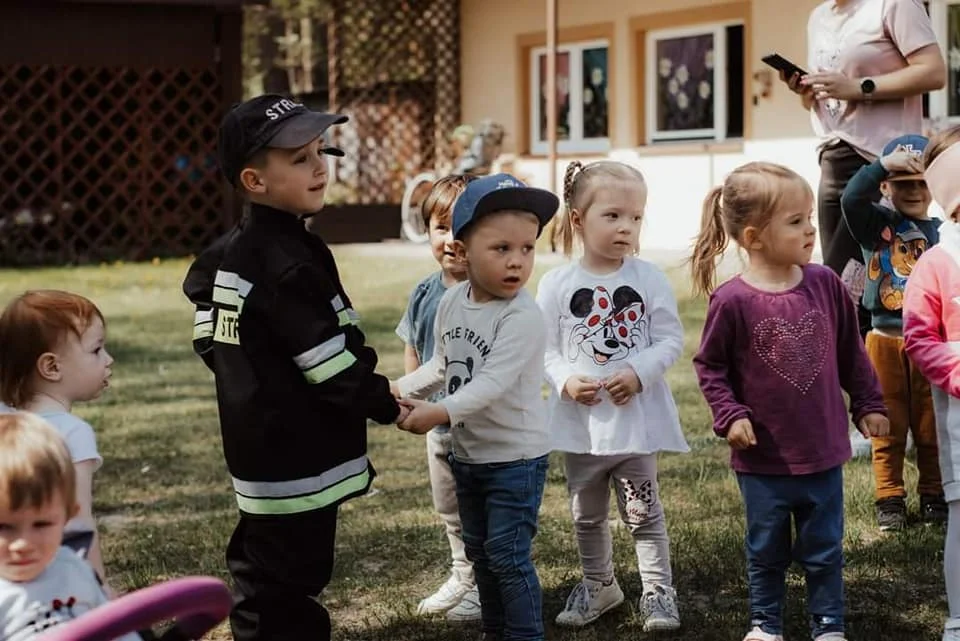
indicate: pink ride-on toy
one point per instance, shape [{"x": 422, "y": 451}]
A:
[{"x": 196, "y": 603}]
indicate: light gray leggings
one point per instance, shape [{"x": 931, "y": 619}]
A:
[
  {"x": 634, "y": 480},
  {"x": 951, "y": 565}
]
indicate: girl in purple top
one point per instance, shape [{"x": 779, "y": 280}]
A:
[{"x": 780, "y": 343}]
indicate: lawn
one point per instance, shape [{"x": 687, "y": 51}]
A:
[{"x": 166, "y": 510}]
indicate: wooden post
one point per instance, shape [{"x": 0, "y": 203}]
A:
[{"x": 551, "y": 105}]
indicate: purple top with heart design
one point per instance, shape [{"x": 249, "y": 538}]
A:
[{"x": 783, "y": 359}]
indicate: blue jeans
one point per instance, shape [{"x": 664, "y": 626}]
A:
[
  {"x": 498, "y": 509},
  {"x": 815, "y": 503}
]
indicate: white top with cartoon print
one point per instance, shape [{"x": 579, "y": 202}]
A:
[
  {"x": 66, "y": 589},
  {"x": 490, "y": 358},
  {"x": 595, "y": 325}
]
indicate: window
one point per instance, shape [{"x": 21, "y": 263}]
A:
[
  {"x": 694, "y": 83},
  {"x": 945, "y": 15},
  {"x": 583, "y": 110}
]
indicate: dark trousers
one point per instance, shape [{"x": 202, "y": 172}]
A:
[
  {"x": 838, "y": 163},
  {"x": 280, "y": 565},
  {"x": 813, "y": 505}
]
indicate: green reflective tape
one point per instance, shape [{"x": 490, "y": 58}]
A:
[
  {"x": 203, "y": 330},
  {"x": 330, "y": 368},
  {"x": 314, "y": 501},
  {"x": 228, "y": 327}
]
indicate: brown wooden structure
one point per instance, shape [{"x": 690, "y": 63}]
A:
[{"x": 108, "y": 119}]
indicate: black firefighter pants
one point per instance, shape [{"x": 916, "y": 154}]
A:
[
  {"x": 280, "y": 565},
  {"x": 838, "y": 163}
]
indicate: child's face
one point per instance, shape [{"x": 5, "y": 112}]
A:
[
  {"x": 790, "y": 236},
  {"x": 499, "y": 254},
  {"x": 30, "y": 538},
  {"x": 441, "y": 244},
  {"x": 84, "y": 364},
  {"x": 610, "y": 226},
  {"x": 294, "y": 180},
  {"x": 909, "y": 197}
]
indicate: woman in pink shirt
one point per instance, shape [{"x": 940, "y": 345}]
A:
[
  {"x": 870, "y": 61},
  {"x": 931, "y": 336}
]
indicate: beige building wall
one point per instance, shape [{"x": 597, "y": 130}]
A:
[{"x": 490, "y": 65}]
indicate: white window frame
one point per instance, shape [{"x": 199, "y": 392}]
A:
[
  {"x": 939, "y": 102},
  {"x": 652, "y": 73},
  {"x": 577, "y": 143}
]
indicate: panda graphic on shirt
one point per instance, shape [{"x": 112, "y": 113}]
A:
[
  {"x": 464, "y": 351},
  {"x": 611, "y": 327}
]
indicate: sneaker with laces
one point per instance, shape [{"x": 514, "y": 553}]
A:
[
  {"x": 589, "y": 601},
  {"x": 447, "y": 596},
  {"x": 933, "y": 509},
  {"x": 756, "y": 634},
  {"x": 658, "y": 607},
  {"x": 951, "y": 634},
  {"x": 891, "y": 513},
  {"x": 468, "y": 609}
]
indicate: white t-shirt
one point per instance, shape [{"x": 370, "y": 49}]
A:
[
  {"x": 81, "y": 443},
  {"x": 67, "y": 589},
  {"x": 490, "y": 357},
  {"x": 596, "y": 325}
]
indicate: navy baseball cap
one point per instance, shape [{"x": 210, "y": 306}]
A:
[
  {"x": 270, "y": 120},
  {"x": 499, "y": 192},
  {"x": 912, "y": 143}
]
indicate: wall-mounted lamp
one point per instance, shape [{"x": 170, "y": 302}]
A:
[{"x": 765, "y": 78}]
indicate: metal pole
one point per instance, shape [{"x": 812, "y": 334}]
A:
[{"x": 551, "y": 103}]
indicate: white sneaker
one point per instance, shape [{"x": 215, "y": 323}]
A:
[
  {"x": 658, "y": 607},
  {"x": 756, "y": 634},
  {"x": 588, "y": 601},
  {"x": 951, "y": 634},
  {"x": 468, "y": 609},
  {"x": 831, "y": 636},
  {"x": 448, "y": 595}
]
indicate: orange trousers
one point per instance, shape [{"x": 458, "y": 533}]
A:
[{"x": 906, "y": 393}]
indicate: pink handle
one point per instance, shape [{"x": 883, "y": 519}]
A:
[{"x": 198, "y": 603}]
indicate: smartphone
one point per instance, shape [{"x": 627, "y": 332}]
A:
[{"x": 780, "y": 63}]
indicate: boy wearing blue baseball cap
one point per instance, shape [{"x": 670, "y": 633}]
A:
[
  {"x": 488, "y": 358},
  {"x": 892, "y": 235}
]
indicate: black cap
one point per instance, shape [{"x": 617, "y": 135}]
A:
[{"x": 270, "y": 120}]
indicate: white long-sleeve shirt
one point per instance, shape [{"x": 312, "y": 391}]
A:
[
  {"x": 596, "y": 325},
  {"x": 490, "y": 356}
]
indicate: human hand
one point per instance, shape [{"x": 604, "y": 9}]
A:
[
  {"x": 793, "y": 83},
  {"x": 832, "y": 84},
  {"x": 622, "y": 385},
  {"x": 902, "y": 161},
  {"x": 583, "y": 389},
  {"x": 422, "y": 416},
  {"x": 404, "y": 412},
  {"x": 740, "y": 436},
  {"x": 874, "y": 424}
]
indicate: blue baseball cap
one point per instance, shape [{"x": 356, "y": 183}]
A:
[
  {"x": 499, "y": 192},
  {"x": 912, "y": 143}
]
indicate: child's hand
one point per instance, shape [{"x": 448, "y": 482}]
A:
[
  {"x": 902, "y": 161},
  {"x": 583, "y": 389},
  {"x": 622, "y": 385},
  {"x": 874, "y": 425},
  {"x": 423, "y": 417},
  {"x": 741, "y": 436},
  {"x": 395, "y": 389},
  {"x": 404, "y": 412}
]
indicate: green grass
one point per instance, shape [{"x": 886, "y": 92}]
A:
[{"x": 166, "y": 510}]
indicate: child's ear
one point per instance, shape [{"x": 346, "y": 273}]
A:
[
  {"x": 576, "y": 219},
  {"x": 73, "y": 509},
  {"x": 885, "y": 189},
  {"x": 751, "y": 238},
  {"x": 460, "y": 251},
  {"x": 252, "y": 181},
  {"x": 48, "y": 366}
]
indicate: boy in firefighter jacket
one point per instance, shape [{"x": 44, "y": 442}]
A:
[{"x": 295, "y": 381}]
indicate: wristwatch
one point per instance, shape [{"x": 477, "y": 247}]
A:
[{"x": 867, "y": 87}]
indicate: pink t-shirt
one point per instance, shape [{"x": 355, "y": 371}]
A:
[{"x": 864, "y": 39}]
